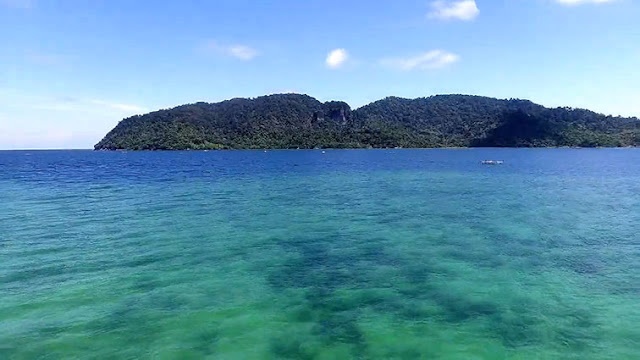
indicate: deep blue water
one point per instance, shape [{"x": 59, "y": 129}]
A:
[{"x": 363, "y": 254}]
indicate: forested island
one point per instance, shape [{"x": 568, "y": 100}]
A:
[{"x": 291, "y": 121}]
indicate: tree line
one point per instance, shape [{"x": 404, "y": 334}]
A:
[{"x": 290, "y": 121}]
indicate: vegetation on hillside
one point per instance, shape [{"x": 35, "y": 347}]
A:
[{"x": 289, "y": 121}]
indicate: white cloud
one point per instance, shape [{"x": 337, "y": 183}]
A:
[
  {"x": 461, "y": 10},
  {"x": 238, "y": 51},
  {"x": 434, "y": 59},
  {"x": 580, "y": 2},
  {"x": 336, "y": 58}
]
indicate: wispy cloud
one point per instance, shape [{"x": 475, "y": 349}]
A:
[
  {"x": 119, "y": 106},
  {"x": 580, "y": 2},
  {"x": 47, "y": 59},
  {"x": 284, "y": 91},
  {"x": 29, "y": 120},
  {"x": 461, "y": 9},
  {"x": 237, "y": 51},
  {"x": 434, "y": 59},
  {"x": 242, "y": 52},
  {"x": 75, "y": 104},
  {"x": 336, "y": 58},
  {"x": 18, "y": 4}
]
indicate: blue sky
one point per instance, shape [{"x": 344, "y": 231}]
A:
[{"x": 71, "y": 69}]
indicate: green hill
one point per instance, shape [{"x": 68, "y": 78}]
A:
[{"x": 300, "y": 121}]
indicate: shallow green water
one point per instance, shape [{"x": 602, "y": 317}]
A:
[{"x": 301, "y": 255}]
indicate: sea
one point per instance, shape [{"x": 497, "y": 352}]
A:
[{"x": 320, "y": 254}]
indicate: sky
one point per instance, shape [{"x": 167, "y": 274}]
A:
[{"x": 70, "y": 70}]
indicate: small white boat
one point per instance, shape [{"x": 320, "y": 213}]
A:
[{"x": 492, "y": 162}]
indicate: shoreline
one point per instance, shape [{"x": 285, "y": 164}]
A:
[
  {"x": 356, "y": 149},
  {"x": 331, "y": 149}
]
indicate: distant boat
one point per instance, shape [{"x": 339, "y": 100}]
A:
[{"x": 492, "y": 162}]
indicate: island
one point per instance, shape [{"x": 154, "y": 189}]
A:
[{"x": 295, "y": 121}]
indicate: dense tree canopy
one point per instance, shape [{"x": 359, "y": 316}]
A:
[{"x": 300, "y": 121}]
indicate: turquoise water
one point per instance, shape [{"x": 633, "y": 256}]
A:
[{"x": 367, "y": 254}]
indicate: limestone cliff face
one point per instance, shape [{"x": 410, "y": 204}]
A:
[{"x": 338, "y": 111}]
